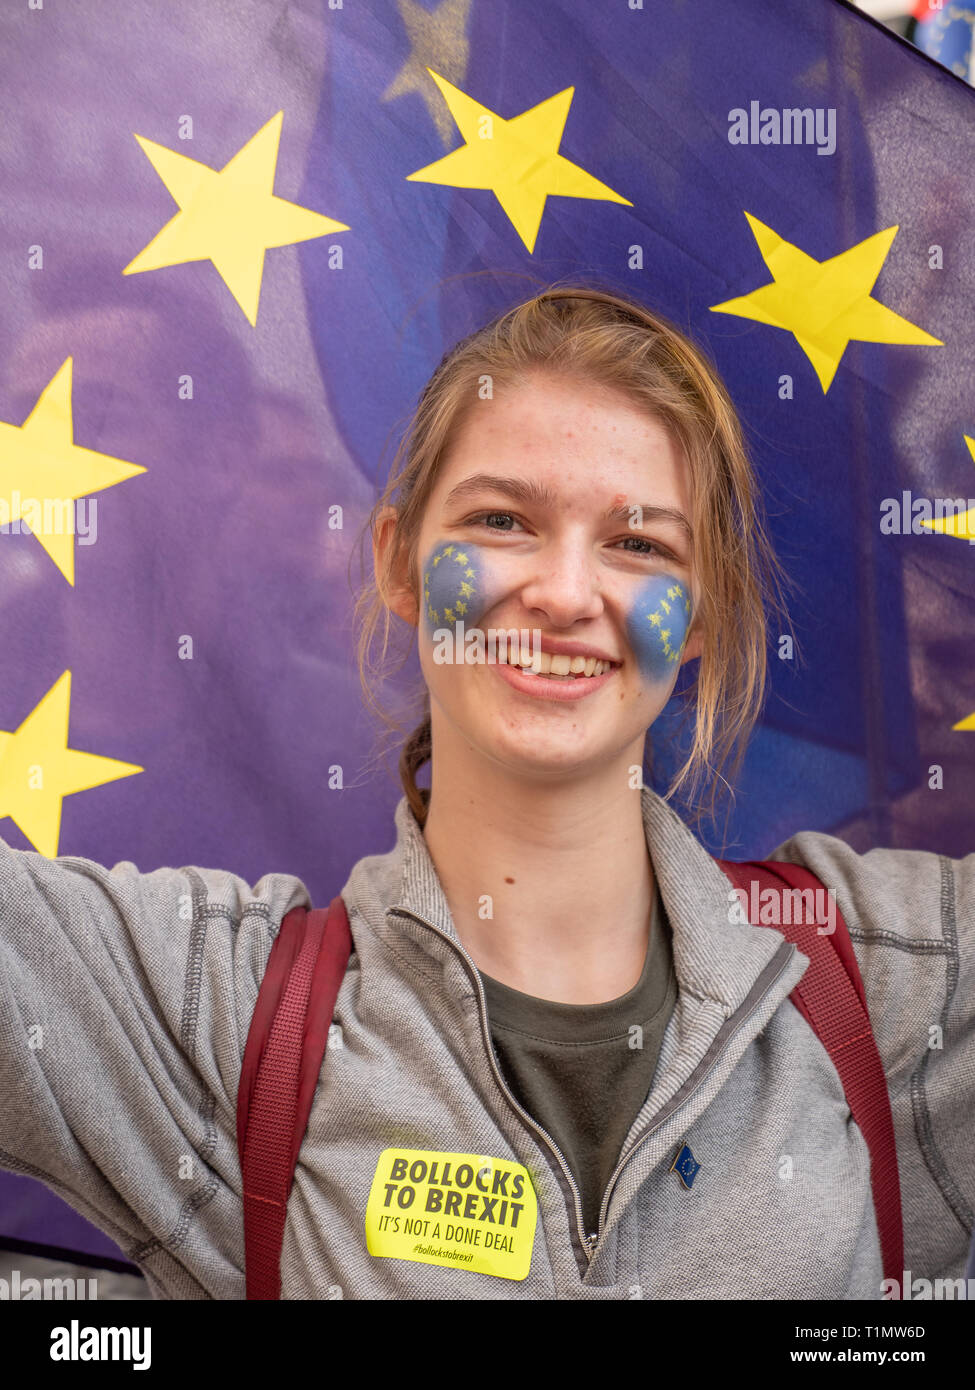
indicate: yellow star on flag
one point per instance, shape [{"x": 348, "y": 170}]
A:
[
  {"x": 824, "y": 304},
  {"x": 960, "y": 524},
  {"x": 516, "y": 159},
  {"x": 229, "y": 216},
  {"x": 38, "y": 769},
  {"x": 43, "y": 472},
  {"x": 438, "y": 36}
]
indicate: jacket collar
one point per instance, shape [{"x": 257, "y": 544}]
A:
[{"x": 714, "y": 958}]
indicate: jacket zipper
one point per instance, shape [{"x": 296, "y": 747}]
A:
[
  {"x": 625, "y": 1158},
  {"x": 589, "y": 1242}
]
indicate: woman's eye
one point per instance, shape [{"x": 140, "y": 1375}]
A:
[
  {"x": 652, "y": 547},
  {"x": 649, "y": 548},
  {"x": 485, "y": 516}
]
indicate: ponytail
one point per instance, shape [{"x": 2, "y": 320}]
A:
[{"x": 417, "y": 750}]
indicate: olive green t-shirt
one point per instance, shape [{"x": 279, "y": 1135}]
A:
[{"x": 584, "y": 1071}]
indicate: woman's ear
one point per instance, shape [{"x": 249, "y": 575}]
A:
[
  {"x": 694, "y": 646},
  {"x": 396, "y": 593}
]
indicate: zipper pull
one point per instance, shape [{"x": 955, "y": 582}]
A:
[{"x": 591, "y": 1244}]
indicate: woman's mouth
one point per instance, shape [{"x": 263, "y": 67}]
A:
[
  {"x": 555, "y": 665},
  {"x": 553, "y": 676}
]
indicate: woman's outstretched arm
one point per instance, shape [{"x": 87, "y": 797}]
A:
[
  {"x": 911, "y": 917},
  {"x": 125, "y": 1000}
]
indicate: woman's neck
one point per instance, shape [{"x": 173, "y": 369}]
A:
[{"x": 549, "y": 883}]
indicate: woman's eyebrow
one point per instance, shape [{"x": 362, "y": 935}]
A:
[
  {"x": 519, "y": 489},
  {"x": 649, "y": 511},
  {"x": 537, "y": 494}
]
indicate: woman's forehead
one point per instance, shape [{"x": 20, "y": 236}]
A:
[
  {"x": 547, "y": 401},
  {"x": 565, "y": 441}
]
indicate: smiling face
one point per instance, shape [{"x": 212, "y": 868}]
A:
[{"x": 548, "y": 545}]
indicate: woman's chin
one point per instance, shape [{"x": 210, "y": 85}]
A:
[{"x": 524, "y": 749}]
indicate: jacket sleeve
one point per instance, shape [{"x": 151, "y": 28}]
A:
[
  {"x": 911, "y": 918},
  {"x": 125, "y": 1000}
]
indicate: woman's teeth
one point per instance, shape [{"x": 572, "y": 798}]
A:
[{"x": 558, "y": 667}]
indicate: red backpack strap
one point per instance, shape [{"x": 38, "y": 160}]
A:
[
  {"x": 282, "y": 1060},
  {"x": 831, "y": 997}
]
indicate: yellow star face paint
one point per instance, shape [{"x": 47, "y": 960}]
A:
[
  {"x": 657, "y": 625},
  {"x": 459, "y": 585}
]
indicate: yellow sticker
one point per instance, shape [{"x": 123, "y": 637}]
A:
[{"x": 462, "y": 1211}]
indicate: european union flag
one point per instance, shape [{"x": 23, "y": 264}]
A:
[
  {"x": 686, "y": 1166},
  {"x": 233, "y": 259}
]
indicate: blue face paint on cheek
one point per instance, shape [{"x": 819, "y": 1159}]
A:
[
  {"x": 459, "y": 584},
  {"x": 657, "y": 626}
]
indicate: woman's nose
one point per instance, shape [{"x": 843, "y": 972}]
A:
[{"x": 563, "y": 584}]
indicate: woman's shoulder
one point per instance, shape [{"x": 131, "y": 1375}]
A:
[
  {"x": 915, "y": 894},
  {"x": 910, "y": 914},
  {"x": 157, "y": 911}
]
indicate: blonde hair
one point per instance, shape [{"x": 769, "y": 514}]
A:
[{"x": 610, "y": 339}]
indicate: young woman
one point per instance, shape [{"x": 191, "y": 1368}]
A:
[{"x": 568, "y": 1068}]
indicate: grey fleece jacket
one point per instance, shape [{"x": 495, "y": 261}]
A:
[{"x": 125, "y": 1000}]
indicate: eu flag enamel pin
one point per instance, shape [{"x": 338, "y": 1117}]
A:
[{"x": 686, "y": 1166}]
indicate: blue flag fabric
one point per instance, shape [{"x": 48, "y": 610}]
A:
[
  {"x": 221, "y": 370},
  {"x": 948, "y": 34}
]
